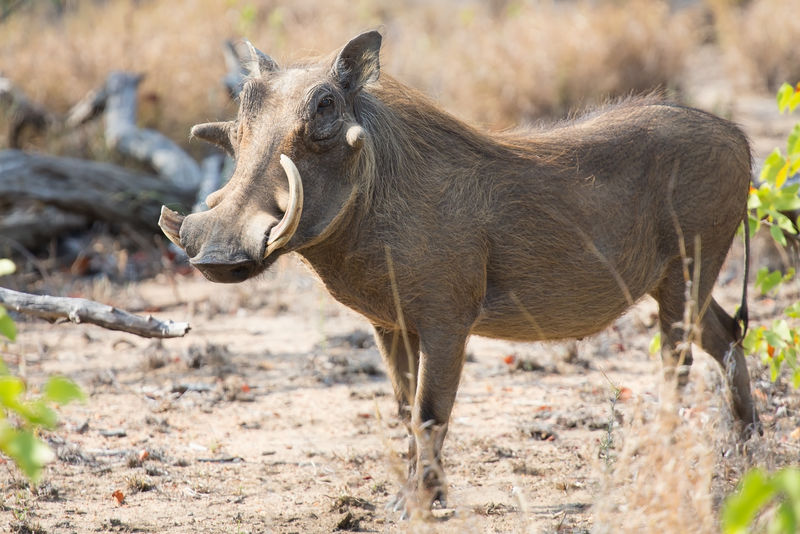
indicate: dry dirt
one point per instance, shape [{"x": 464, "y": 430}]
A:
[{"x": 274, "y": 415}]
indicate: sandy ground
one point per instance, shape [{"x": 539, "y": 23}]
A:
[{"x": 274, "y": 415}]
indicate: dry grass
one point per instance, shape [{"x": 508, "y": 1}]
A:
[
  {"x": 760, "y": 40},
  {"x": 661, "y": 480},
  {"x": 498, "y": 63},
  {"x": 680, "y": 457}
]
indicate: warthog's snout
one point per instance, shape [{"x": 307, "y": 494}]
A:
[
  {"x": 227, "y": 252},
  {"x": 225, "y": 270},
  {"x": 198, "y": 235}
]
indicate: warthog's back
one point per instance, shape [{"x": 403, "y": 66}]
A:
[{"x": 591, "y": 225}]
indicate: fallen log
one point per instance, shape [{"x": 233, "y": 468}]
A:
[
  {"x": 80, "y": 310},
  {"x": 35, "y": 224},
  {"x": 100, "y": 191}
]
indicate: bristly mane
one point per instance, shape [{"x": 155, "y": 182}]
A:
[{"x": 407, "y": 132}]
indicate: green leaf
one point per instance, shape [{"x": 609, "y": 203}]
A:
[
  {"x": 794, "y": 101},
  {"x": 62, "y": 390},
  {"x": 783, "y": 173},
  {"x": 788, "y": 480},
  {"x": 741, "y": 508},
  {"x": 784, "y": 222},
  {"x": 793, "y": 310},
  {"x": 781, "y": 329},
  {"x": 752, "y": 338},
  {"x": 795, "y": 163},
  {"x": 655, "y": 344},
  {"x": 38, "y": 414},
  {"x": 753, "y": 201},
  {"x": 7, "y": 326},
  {"x": 787, "y": 200},
  {"x": 754, "y": 223},
  {"x": 785, "y": 93},
  {"x": 784, "y": 521},
  {"x": 11, "y": 388},
  {"x": 777, "y": 235},
  {"x": 29, "y": 453},
  {"x": 791, "y": 142},
  {"x": 6, "y": 266},
  {"x": 772, "y": 165},
  {"x": 766, "y": 280}
]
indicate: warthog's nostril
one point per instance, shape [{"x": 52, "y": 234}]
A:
[{"x": 227, "y": 273}]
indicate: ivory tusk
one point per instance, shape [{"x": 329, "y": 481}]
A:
[
  {"x": 170, "y": 223},
  {"x": 282, "y": 232}
]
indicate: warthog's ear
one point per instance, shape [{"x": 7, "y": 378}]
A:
[
  {"x": 218, "y": 133},
  {"x": 358, "y": 63},
  {"x": 254, "y": 61}
]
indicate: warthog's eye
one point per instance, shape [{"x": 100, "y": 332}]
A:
[{"x": 325, "y": 102}]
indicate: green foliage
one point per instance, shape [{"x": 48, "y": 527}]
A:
[
  {"x": 655, "y": 344},
  {"x": 22, "y": 415},
  {"x": 778, "y": 345},
  {"x": 774, "y": 197},
  {"x": 777, "y": 494},
  {"x": 767, "y": 280},
  {"x": 771, "y": 503},
  {"x": 7, "y": 326}
]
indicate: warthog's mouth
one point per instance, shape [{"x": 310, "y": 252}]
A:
[{"x": 224, "y": 266}]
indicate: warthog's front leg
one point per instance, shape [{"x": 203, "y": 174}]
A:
[
  {"x": 400, "y": 352},
  {"x": 440, "y": 364}
]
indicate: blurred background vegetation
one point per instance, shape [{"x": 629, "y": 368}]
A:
[{"x": 498, "y": 63}]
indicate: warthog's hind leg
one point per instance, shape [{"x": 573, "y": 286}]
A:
[
  {"x": 676, "y": 352},
  {"x": 721, "y": 339},
  {"x": 719, "y": 336}
]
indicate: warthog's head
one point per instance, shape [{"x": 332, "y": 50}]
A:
[{"x": 296, "y": 141}]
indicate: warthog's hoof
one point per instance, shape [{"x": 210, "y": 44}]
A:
[
  {"x": 751, "y": 429},
  {"x": 415, "y": 501}
]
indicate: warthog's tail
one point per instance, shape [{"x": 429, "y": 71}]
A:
[{"x": 741, "y": 313}]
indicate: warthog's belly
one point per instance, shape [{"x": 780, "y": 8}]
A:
[{"x": 541, "y": 317}]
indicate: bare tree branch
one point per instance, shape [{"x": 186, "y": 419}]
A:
[
  {"x": 88, "y": 311},
  {"x": 142, "y": 144}
]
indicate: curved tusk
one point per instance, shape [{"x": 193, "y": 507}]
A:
[
  {"x": 170, "y": 223},
  {"x": 282, "y": 232}
]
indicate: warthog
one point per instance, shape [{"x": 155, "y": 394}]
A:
[{"x": 433, "y": 230}]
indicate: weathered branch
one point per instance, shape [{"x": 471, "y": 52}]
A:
[
  {"x": 89, "y": 107},
  {"x": 142, "y": 144},
  {"x": 87, "y": 311},
  {"x": 99, "y": 191},
  {"x": 31, "y": 224}
]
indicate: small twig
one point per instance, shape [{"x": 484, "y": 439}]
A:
[
  {"x": 222, "y": 460},
  {"x": 80, "y": 310},
  {"x": 608, "y": 440}
]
